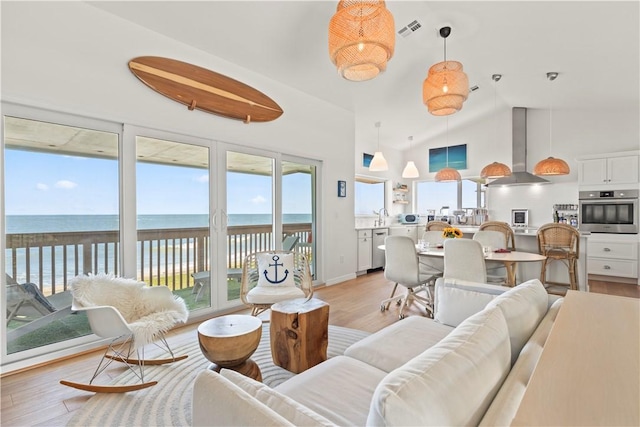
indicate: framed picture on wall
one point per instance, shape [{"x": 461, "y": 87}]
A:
[
  {"x": 454, "y": 157},
  {"x": 342, "y": 188},
  {"x": 366, "y": 159}
]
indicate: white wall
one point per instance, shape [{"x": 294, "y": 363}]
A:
[
  {"x": 393, "y": 176},
  {"x": 575, "y": 133},
  {"x": 72, "y": 57}
]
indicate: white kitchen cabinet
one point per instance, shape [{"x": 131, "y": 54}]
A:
[
  {"x": 364, "y": 250},
  {"x": 406, "y": 230},
  {"x": 613, "y": 255},
  {"x": 609, "y": 170}
]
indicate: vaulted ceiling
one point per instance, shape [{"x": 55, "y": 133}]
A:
[{"x": 594, "y": 46}]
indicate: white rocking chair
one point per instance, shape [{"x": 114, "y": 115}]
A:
[{"x": 133, "y": 315}]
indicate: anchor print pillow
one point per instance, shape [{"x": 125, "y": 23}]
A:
[{"x": 275, "y": 269}]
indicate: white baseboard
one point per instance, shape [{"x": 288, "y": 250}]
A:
[{"x": 340, "y": 279}]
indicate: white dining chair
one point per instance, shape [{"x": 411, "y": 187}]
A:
[
  {"x": 493, "y": 240},
  {"x": 402, "y": 267},
  {"x": 431, "y": 265},
  {"x": 464, "y": 260},
  {"x": 433, "y": 237}
]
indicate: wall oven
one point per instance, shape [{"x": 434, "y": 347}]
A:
[{"x": 609, "y": 211}]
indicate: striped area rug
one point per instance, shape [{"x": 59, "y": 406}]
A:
[{"x": 169, "y": 402}]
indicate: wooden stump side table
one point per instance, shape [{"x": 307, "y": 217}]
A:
[
  {"x": 229, "y": 341},
  {"x": 299, "y": 333}
]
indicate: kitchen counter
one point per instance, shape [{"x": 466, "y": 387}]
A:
[
  {"x": 519, "y": 231},
  {"x": 380, "y": 227},
  {"x": 395, "y": 224}
]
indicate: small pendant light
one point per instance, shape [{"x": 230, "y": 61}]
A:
[
  {"x": 447, "y": 174},
  {"x": 410, "y": 171},
  {"x": 551, "y": 165},
  {"x": 378, "y": 163},
  {"x": 495, "y": 169}
]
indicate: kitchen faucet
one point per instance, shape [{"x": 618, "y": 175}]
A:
[{"x": 380, "y": 212}]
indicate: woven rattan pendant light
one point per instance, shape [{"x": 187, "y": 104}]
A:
[
  {"x": 551, "y": 165},
  {"x": 378, "y": 163},
  {"x": 410, "y": 171},
  {"x": 495, "y": 169},
  {"x": 447, "y": 174},
  {"x": 362, "y": 38},
  {"x": 446, "y": 86}
]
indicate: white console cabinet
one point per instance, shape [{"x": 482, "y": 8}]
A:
[
  {"x": 609, "y": 170},
  {"x": 613, "y": 255}
]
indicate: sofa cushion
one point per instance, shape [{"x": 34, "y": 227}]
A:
[
  {"x": 339, "y": 389},
  {"x": 288, "y": 408},
  {"x": 398, "y": 343},
  {"x": 456, "y": 300},
  {"x": 506, "y": 403},
  {"x": 453, "y": 382},
  {"x": 523, "y": 307},
  {"x": 214, "y": 394}
]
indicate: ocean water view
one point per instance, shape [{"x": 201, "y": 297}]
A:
[{"x": 67, "y": 223}]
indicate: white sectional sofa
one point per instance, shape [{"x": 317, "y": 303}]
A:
[{"x": 470, "y": 365}]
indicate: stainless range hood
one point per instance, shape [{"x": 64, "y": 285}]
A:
[{"x": 519, "y": 174}]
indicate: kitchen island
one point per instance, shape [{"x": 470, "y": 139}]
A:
[{"x": 527, "y": 241}]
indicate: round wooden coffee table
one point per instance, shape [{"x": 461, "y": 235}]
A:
[{"x": 229, "y": 341}]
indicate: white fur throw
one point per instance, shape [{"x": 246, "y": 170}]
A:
[{"x": 146, "y": 315}]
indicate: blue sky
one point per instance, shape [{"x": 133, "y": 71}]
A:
[{"x": 50, "y": 184}]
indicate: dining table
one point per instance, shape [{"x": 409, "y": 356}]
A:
[{"x": 510, "y": 259}]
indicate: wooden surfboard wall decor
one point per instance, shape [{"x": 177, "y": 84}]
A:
[{"x": 205, "y": 90}]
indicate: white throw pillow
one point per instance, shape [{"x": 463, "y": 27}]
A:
[
  {"x": 292, "y": 411},
  {"x": 452, "y": 383},
  {"x": 276, "y": 270},
  {"x": 219, "y": 402},
  {"x": 523, "y": 307}
]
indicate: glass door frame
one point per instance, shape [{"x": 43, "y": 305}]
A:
[
  {"x": 316, "y": 214},
  {"x": 221, "y": 217},
  {"x": 129, "y": 200},
  {"x": 74, "y": 345},
  {"x": 128, "y": 213}
]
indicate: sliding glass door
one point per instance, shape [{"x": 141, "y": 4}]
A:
[
  {"x": 85, "y": 196},
  {"x": 172, "y": 212},
  {"x": 248, "y": 213},
  {"x": 270, "y": 203},
  {"x": 299, "y": 208},
  {"x": 61, "y": 220}
]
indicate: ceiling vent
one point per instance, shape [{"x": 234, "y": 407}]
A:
[{"x": 409, "y": 29}]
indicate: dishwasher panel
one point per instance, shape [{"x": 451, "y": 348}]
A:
[{"x": 377, "y": 255}]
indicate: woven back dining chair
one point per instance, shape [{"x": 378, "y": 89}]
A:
[
  {"x": 504, "y": 228},
  {"x": 436, "y": 226},
  {"x": 559, "y": 243}
]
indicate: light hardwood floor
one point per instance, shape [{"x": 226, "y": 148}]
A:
[{"x": 35, "y": 397}]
